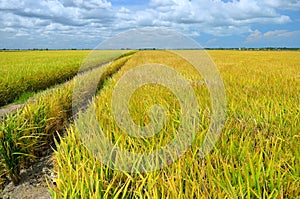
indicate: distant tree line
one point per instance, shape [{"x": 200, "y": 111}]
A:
[
  {"x": 40, "y": 49},
  {"x": 258, "y": 49},
  {"x": 242, "y": 49}
]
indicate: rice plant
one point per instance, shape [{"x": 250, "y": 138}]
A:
[
  {"x": 257, "y": 155},
  {"x": 26, "y": 134},
  {"x": 30, "y": 71}
]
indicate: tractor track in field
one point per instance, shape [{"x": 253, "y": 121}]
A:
[
  {"x": 35, "y": 179},
  {"x": 33, "y": 182},
  {"x": 11, "y": 108}
]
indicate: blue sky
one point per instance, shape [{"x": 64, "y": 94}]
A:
[{"x": 212, "y": 23}]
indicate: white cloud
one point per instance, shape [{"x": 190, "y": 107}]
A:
[
  {"x": 271, "y": 35},
  {"x": 254, "y": 36},
  {"x": 213, "y": 17},
  {"x": 87, "y": 4},
  {"x": 99, "y": 19},
  {"x": 282, "y": 4}
]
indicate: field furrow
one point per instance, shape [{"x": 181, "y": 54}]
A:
[
  {"x": 141, "y": 106},
  {"x": 257, "y": 155},
  {"x": 26, "y": 134},
  {"x": 23, "y": 73}
]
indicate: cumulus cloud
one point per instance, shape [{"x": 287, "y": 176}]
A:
[
  {"x": 99, "y": 19},
  {"x": 87, "y": 4},
  {"x": 55, "y": 20},
  {"x": 254, "y": 36},
  {"x": 283, "y": 5},
  {"x": 217, "y": 17},
  {"x": 257, "y": 35}
]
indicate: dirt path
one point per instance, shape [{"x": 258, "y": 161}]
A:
[
  {"x": 9, "y": 109},
  {"x": 33, "y": 181}
]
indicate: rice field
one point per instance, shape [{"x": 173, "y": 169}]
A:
[
  {"x": 256, "y": 156},
  {"x": 30, "y": 71},
  {"x": 25, "y": 135}
]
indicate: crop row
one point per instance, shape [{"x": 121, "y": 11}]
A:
[
  {"x": 257, "y": 155},
  {"x": 30, "y": 71},
  {"x": 25, "y": 135}
]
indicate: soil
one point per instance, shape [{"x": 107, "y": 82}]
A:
[
  {"x": 33, "y": 182},
  {"x": 9, "y": 109}
]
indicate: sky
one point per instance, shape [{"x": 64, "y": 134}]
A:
[{"x": 81, "y": 24}]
